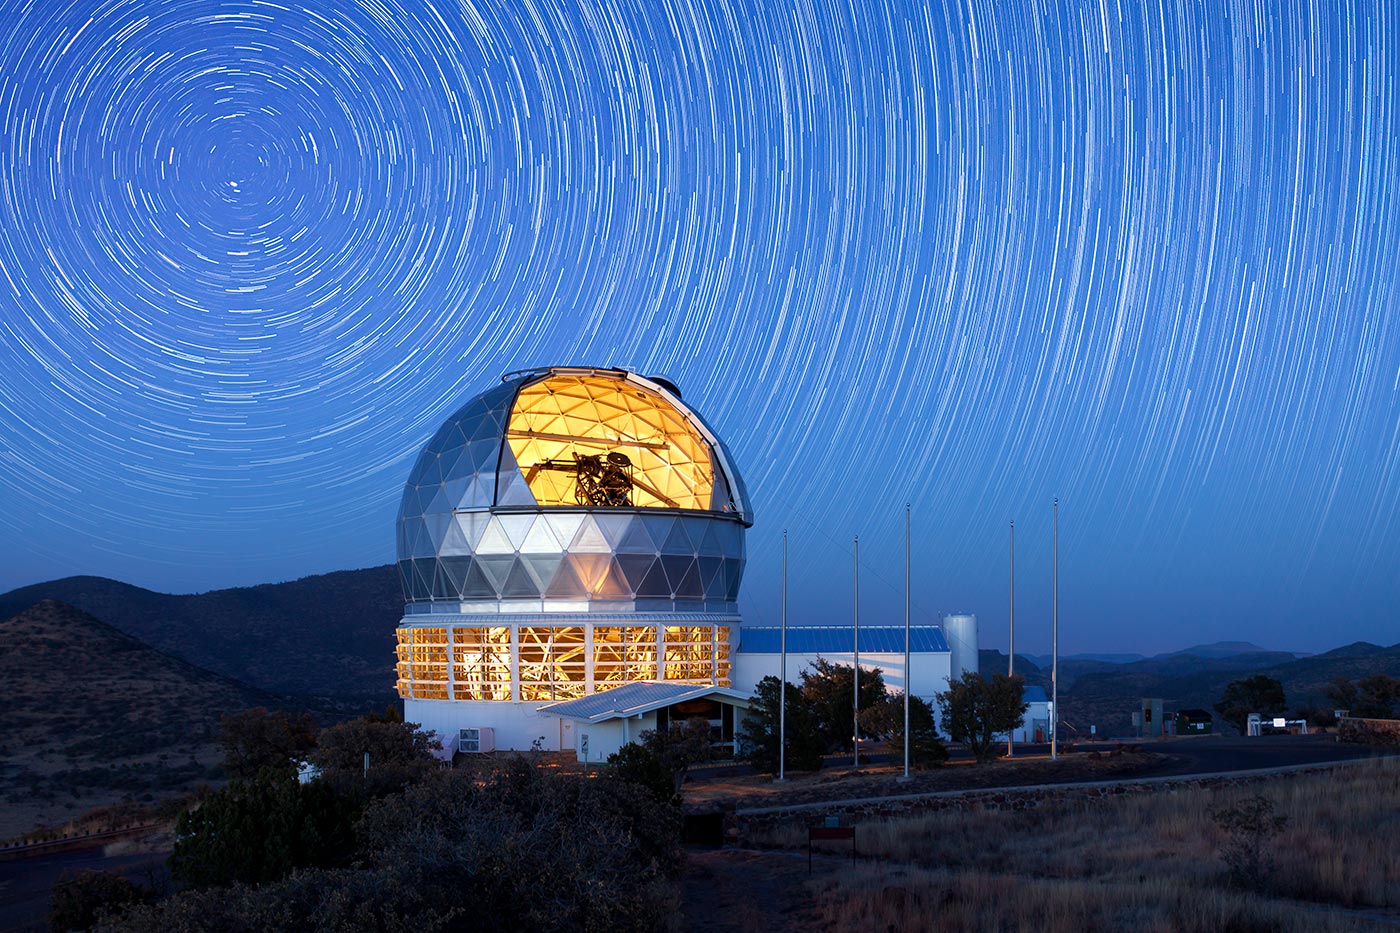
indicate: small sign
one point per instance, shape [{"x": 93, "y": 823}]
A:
[
  {"x": 1280, "y": 723},
  {"x": 583, "y": 744},
  {"x": 831, "y": 822}
]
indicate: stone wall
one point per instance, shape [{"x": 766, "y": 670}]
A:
[{"x": 1369, "y": 731}]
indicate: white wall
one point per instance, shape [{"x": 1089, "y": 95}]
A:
[
  {"x": 516, "y": 725},
  {"x": 929, "y": 669},
  {"x": 1026, "y": 731},
  {"x": 605, "y": 738}
]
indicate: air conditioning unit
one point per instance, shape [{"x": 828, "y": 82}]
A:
[{"x": 477, "y": 740}]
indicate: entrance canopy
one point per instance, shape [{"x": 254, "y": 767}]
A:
[{"x": 636, "y": 699}]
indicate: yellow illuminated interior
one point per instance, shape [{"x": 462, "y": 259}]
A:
[
  {"x": 588, "y": 415},
  {"x": 624, "y": 653},
  {"x": 553, "y": 661},
  {"x": 481, "y": 663}
]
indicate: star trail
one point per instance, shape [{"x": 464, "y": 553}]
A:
[{"x": 968, "y": 256}]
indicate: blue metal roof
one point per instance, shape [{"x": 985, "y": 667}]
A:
[{"x": 840, "y": 639}]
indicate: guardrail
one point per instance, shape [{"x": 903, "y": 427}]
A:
[{"x": 72, "y": 841}]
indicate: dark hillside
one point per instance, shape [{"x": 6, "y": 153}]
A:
[
  {"x": 90, "y": 715},
  {"x": 326, "y": 636}
]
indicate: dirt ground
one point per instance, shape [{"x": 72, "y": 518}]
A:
[{"x": 741, "y": 890}]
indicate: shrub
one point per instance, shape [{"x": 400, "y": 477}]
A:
[
  {"x": 1249, "y": 826},
  {"x": 255, "y": 739},
  {"x": 762, "y": 733},
  {"x": 635, "y": 764},
  {"x": 80, "y": 900},
  {"x": 829, "y": 690},
  {"x": 926, "y": 748},
  {"x": 259, "y": 831},
  {"x": 974, "y": 709}
]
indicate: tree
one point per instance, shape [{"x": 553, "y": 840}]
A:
[
  {"x": 260, "y": 830},
  {"x": 80, "y": 900},
  {"x": 1260, "y": 694},
  {"x": 1342, "y": 693},
  {"x": 635, "y": 764},
  {"x": 677, "y": 748},
  {"x": 926, "y": 748},
  {"x": 829, "y": 690},
  {"x": 761, "y": 729},
  {"x": 399, "y": 754},
  {"x": 1379, "y": 695},
  {"x": 258, "y": 738},
  {"x": 973, "y": 710}
]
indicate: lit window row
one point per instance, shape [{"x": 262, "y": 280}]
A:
[{"x": 553, "y": 662}]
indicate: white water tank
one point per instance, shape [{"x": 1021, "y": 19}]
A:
[{"x": 960, "y": 628}]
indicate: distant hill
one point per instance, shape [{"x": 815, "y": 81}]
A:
[
  {"x": 1219, "y": 649},
  {"x": 1043, "y": 660},
  {"x": 90, "y": 715},
  {"x": 1107, "y": 699},
  {"x": 328, "y": 636}
]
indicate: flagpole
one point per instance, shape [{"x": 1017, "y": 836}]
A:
[
  {"x": 907, "y": 685},
  {"x": 1011, "y": 643},
  {"x": 855, "y": 682},
  {"x": 782, "y": 687},
  {"x": 1055, "y": 640}
]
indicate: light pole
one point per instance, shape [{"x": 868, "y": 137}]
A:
[
  {"x": 907, "y": 685},
  {"x": 782, "y": 674},
  {"x": 1055, "y": 640},
  {"x": 855, "y": 675},
  {"x": 1011, "y": 641}
]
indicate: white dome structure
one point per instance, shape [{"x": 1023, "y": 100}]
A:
[{"x": 568, "y": 531}]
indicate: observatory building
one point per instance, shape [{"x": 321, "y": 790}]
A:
[
  {"x": 568, "y": 531},
  {"x": 573, "y": 531}
]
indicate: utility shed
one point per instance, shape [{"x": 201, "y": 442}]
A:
[
  {"x": 606, "y": 721},
  {"x": 1194, "y": 722}
]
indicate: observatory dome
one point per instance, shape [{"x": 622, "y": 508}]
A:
[{"x": 573, "y": 490}]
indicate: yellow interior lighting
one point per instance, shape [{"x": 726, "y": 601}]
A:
[{"x": 563, "y": 415}]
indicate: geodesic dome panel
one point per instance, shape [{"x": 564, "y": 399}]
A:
[
  {"x": 564, "y": 414},
  {"x": 492, "y": 517}
]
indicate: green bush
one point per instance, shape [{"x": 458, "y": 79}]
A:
[
  {"x": 761, "y": 730},
  {"x": 259, "y": 831}
]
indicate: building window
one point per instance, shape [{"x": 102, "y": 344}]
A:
[
  {"x": 481, "y": 663},
  {"x": 691, "y": 654},
  {"x": 623, "y": 653},
  {"x": 552, "y": 663},
  {"x": 422, "y": 664}
]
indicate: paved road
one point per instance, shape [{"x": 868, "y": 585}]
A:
[
  {"x": 25, "y": 883},
  {"x": 1235, "y": 753},
  {"x": 1205, "y": 755}
]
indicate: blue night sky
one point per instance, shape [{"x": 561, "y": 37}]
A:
[{"x": 965, "y": 255}]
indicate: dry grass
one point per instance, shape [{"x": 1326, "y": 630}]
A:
[
  {"x": 1144, "y": 861},
  {"x": 905, "y": 899}
]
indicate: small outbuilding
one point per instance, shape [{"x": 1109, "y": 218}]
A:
[
  {"x": 1194, "y": 722},
  {"x": 608, "y": 720}
]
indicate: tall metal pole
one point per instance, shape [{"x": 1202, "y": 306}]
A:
[
  {"x": 855, "y": 722},
  {"x": 782, "y": 673},
  {"x": 1055, "y": 640},
  {"x": 907, "y": 685},
  {"x": 1011, "y": 641}
]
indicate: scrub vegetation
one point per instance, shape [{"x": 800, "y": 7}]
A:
[
  {"x": 406, "y": 846},
  {"x": 1313, "y": 852}
]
